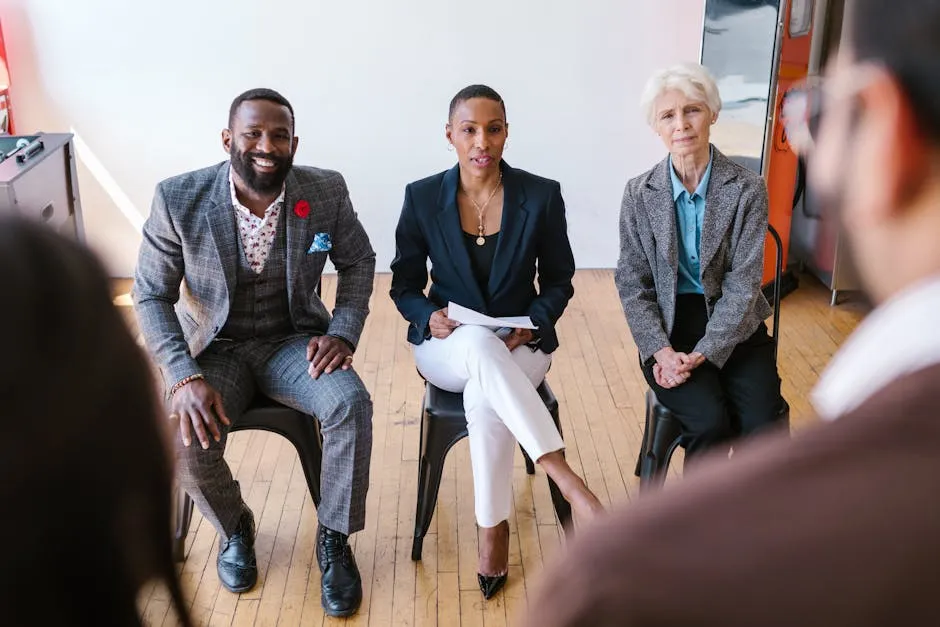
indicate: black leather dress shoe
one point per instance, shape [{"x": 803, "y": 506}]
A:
[
  {"x": 238, "y": 570},
  {"x": 340, "y": 582}
]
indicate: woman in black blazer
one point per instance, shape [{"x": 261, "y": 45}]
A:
[{"x": 487, "y": 228}]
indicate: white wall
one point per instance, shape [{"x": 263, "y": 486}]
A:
[{"x": 146, "y": 87}]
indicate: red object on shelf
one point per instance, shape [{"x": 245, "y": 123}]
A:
[{"x": 6, "y": 110}]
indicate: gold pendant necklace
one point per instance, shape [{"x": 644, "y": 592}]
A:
[{"x": 481, "y": 211}]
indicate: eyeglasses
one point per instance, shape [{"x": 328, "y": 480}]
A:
[
  {"x": 804, "y": 105},
  {"x": 801, "y": 112}
]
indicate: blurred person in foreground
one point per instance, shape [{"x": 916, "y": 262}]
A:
[
  {"x": 84, "y": 458},
  {"x": 840, "y": 525}
]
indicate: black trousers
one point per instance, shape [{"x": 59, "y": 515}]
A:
[{"x": 717, "y": 404}]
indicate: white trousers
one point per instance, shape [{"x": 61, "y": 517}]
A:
[{"x": 501, "y": 404}]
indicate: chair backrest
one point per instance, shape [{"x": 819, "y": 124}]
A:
[{"x": 778, "y": 273}]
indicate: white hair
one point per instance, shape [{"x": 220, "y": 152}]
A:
[{"x": 692, "y": 79}]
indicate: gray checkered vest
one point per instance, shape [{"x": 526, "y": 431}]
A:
[{"x": 259, "y": 306}]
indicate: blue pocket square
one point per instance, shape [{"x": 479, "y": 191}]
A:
[{"x": 321, "y": 243}]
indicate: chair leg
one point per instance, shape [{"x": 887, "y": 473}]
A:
[
  {"x": 529, "y": 464},
  {"x": 429, "y": 483},
  {"x": 662, "y": 433},
  {"x": 562, "y": 509},
  {"x": 184, "y": 515},
  {"x": 655, "y": 463},
  {"x": 644, "y": 442},
  {"x": 652, "y": 472},
  {"x": 417, "y": 546},
  {"x": 430, "y": 469},
  {"x": 783, "y": 414}
]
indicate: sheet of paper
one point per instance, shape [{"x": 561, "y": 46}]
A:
[{"x": 467, "y": 316}]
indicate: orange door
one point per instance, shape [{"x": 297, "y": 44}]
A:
[{"x": 781, "y": 161}]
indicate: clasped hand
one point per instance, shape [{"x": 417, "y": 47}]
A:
[{"x": 673, "y": 368}]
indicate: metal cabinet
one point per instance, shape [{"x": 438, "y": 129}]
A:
[{"x": 38, "y": 179}]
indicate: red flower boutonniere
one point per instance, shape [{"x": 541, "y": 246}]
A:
[{"x": 302, "y": 209}]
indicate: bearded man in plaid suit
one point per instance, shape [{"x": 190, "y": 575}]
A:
[{"x": 226, "y": 293}]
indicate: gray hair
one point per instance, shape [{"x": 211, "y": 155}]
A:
[{"x": 692, "y": 79}]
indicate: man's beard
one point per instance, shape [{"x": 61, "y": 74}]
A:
[{"x": 263, "y": 183}]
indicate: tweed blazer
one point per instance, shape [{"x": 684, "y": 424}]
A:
[
  {"x": 732, "y": 258},
  {"x": 187, "y": 262}
]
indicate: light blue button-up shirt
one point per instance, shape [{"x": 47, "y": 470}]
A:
[{"x": 690, "y": 210}]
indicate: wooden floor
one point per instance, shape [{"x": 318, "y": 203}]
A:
[{"x": 600, "y": 389}]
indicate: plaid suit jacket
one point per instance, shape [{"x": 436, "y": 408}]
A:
[{"x": 187, "y": 262}]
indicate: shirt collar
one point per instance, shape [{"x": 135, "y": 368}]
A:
[
  {"x": 893, "y": 341},
  {"x": 678, "y": 188},
  {"x": 243, "y": 208}
]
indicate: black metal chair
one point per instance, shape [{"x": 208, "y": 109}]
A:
[
  {"x": 662, "y": 433},
  {"x": 301, "y": 430},
  {"x": 443, "y": 424}
]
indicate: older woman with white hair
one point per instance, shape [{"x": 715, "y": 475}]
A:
[{"x": 692, "y": 235}]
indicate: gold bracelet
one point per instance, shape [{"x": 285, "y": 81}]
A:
[{"x": 183, "y": 382}]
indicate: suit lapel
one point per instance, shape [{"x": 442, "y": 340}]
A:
[
  {"x": 297, "y": 230},
  {"x": 661, "y": 209},
  {"x": 721, "y": 204},
  {"x": 511, "y": 228},
  {"x": 221, "y": 222},
  {"x": 448, "y": 220}
]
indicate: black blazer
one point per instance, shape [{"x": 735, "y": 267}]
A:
[{"x": 533, "y": 237}]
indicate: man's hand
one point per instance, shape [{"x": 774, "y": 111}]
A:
[
  {"x": 517, "y": 338},
  {"x": 196, "y": 405},
  {"x": 327, "y": 353},
  {"x": 442, "y": 326}
]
